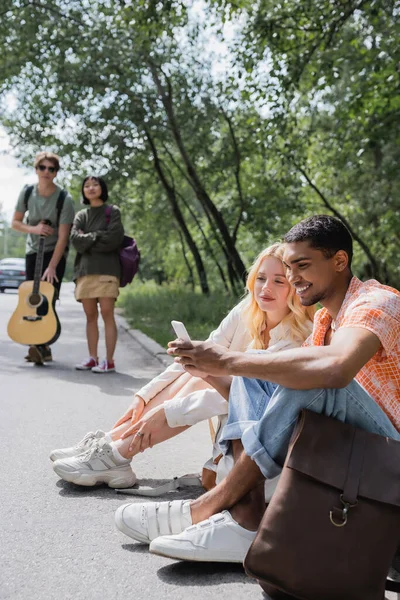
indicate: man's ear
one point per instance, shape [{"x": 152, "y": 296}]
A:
[{"x": 341, "y": 260}]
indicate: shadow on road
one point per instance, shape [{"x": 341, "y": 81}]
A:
[
  {"x": 70, "y": 490},
  {"x": 182, "y": 573},
  {"x": 113, "y": 384}
]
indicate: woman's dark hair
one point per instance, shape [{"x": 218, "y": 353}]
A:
[
  {"x": 324, "y": 233},
  {"x": 102, "y": 184}
]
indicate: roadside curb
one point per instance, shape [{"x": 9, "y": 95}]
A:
[{"x": 145, "y": 341}]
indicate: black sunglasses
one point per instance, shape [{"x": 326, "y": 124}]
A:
[{"x": 49, "y": 169}]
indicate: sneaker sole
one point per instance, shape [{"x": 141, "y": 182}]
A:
[
  {"x": 171, "y": 553},
  {"x": 79, "y": 368},
  {"x": 89, "y": 480},
  {"x": 132, "y": 533}
]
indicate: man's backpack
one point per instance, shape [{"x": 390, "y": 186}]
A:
[
  {"x": 60, "y": 201},
  {"x": 129, "y": 255}
]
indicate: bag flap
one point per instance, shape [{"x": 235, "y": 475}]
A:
[{"x": 322, "y": 448}]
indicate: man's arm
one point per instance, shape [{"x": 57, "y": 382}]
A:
[
  {"x": 39, "y": 229},
  {"x": 63, "y": 236},
  {"x": 332, "y": 366}
]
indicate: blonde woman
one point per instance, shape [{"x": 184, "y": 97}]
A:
[{"x": 270, "y": 317}]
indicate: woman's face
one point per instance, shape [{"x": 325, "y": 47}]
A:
[
  {"x": 271, "y": 289},
  {"x": 92, "y": 189}
]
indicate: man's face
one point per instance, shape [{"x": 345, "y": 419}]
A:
[
  {"x": 310, "y": 272},
  {"x": 46, "y": 171}
]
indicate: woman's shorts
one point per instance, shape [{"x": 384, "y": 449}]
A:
[{"x": 96, "y": 286}]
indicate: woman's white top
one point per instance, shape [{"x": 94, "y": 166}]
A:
[{"x": 206, "y": 403}]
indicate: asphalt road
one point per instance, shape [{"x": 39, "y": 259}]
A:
[{"x": 57, "y": 540}]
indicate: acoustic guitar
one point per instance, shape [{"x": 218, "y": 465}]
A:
[{"x": 35, "y": 320}]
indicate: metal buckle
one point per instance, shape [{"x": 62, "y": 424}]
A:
[{"x": 345, "y": 510}]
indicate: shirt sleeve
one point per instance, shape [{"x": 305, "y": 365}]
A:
[
  {"x": 113, "y": 236},
  {"x": 195, "y": 407},
  {"x": 20, "y": 206},
  {"x": 82, "y": 242},
  {"x": 224, "y": 333},
  {"x": 379, "y": 312},
  {"x": 67, "y": 212}
]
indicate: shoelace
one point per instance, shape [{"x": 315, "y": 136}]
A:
[
  {"x": 95, "y": 450},
  {"x": 89, "y": 437}
]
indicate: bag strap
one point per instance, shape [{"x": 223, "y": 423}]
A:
[
  {"x": 28, "y": 192},
  {"x": 170, "y": 486},
  {"x": 392, "y": 586},
  {"x": 60, "y": 204},
  {"x": 108, "y": 214}
]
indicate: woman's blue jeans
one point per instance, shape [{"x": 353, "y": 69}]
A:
[{"x": 263, "y": 415}]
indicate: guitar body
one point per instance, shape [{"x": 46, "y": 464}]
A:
[{"x": 35, "y": 320}]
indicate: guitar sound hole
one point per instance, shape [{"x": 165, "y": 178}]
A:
[{"x": 35, "y": 300}]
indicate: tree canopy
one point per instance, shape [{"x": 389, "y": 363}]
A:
[{"x": 217, "y": 124}]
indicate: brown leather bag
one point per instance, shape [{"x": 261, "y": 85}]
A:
[{"x": 332, "y": 527}]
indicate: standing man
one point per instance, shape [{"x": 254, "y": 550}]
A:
[{"x": 45, "y": 201}]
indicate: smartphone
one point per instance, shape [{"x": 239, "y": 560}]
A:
[{"x": 181, "y": 332}]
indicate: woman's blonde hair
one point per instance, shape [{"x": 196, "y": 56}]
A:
[{"x": 298, "y": 321}]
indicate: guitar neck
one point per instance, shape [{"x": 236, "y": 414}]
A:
[{"x": 38, "y": 266}]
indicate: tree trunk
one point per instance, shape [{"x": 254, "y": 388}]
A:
[
  {"x": 197, "y": 185},
  {"x": 179, "y": 217}
]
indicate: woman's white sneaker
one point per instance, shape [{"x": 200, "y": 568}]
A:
[
  {"x": 144, "y": 522},
  {"x": 217, "y": 539},
  {"x": 99, "y": 464},
  {"x": 87, "y": 442}
]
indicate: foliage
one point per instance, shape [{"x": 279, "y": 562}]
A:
[
  {"x": 151, "y": 307},
  {"x": 214, "y": 153}
]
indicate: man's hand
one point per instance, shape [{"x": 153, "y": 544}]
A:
[
  {"x": 50, "y": 275},
  {"x": 42, "y": 229},
  {"x": 207, "y": 357},
  {"x": 133, "y": 413}
]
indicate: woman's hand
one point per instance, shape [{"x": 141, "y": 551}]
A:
[
  {"x": 133, "y": 413},
  {"x": 152, "y": 422}
]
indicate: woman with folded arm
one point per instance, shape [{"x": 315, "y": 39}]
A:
[
  {"x": 270, "y": 317},
  {"x": 97, "y": 235}
]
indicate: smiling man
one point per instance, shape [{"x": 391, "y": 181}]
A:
[
  {"x": 349, "y": 369},
  {"x": 45, "y": 201}
]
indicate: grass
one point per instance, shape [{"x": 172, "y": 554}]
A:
[{"x": 151, "y": 307}]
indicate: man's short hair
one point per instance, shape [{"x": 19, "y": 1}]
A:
[
  {"x": 323, "y": 232},
  {"x": 50, "y": 156}
]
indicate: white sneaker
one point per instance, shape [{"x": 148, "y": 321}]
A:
[
  {"x": 217, "y": 539},
  {"x": 87, "y": 442},
  {"x": 144, "y": 522},
  {"x": 97, "y": 465}
]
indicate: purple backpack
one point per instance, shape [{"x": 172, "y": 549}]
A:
[{"x": 129, "y": 255}]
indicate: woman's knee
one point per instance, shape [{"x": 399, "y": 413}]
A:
[
  {"x": 107, "y": 308},
  {"x": 91, "y": 311}
]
